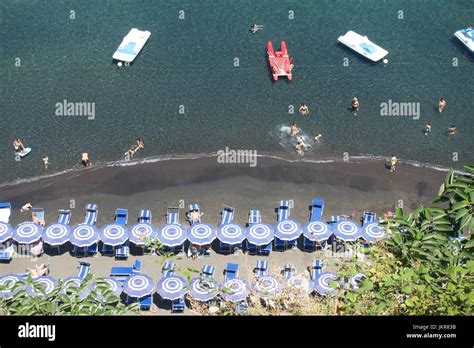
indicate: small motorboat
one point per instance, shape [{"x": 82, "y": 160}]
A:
[
  {"x": 466, "y": 36},
  {"x": 280, "y": 61}
]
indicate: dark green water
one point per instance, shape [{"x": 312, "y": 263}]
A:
[{"x": 190, "y": 62}]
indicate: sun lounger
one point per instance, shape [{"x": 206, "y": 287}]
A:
[
  {"x": 227, "y": 215},
  {"x": 194, "y": 208},
  {"x": 144, "y": 215},
  {"x": 178, "y": 305},
  {"x": 261, "y": 268},
  {"x": 122, "y": 252},
  {"x": 334, "y": 219},
  {"x": 208, "y": 271},
  {"x": 37, "y": 215},
  {"x": 64, "y": 217},
  {"x": 288, "y": 271},
  {"x": 172, "y": 216},
  {"x": 83, "y": 270},
  {"x": 168, "y": 268},
  {"x": 126, "y": 271},
  {"x": 137, "y": 267},
  {"x": 283, "y": 210},
  {"x": 5, "y": 211},
  {"x": 145, "y": 303},
  {"x": 267, "y": 249},
  {"x": 7, "y": 254},
  {"x": 121, "y": 216},
  {"x": 91, "y": 214},
  {"x": 317, "y": 268},
  {"x": 231, "y": 271},
  {"x": 317, "y": 209},
  {"x": 368, "y": 217}
]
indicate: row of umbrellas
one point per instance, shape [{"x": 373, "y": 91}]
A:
[
  {"x": 172, "y": 235},
  {"x": 200, "y": 288}
]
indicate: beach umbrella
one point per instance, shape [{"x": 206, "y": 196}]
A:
[
  {"x": 9, "y": 281},
  {"x": 260, "y": 234},
  {"x": 347, "y": 230},
  {"x": 138, "y": 285},
  {"x": 56, "y": 234},
  {"x": 235, "y": 290},
  {"x": 372, "y": 231},
  {"x": 27, "y": 232},
  {"x": 288, "y": 230},
  {"x": 139, "y": 233},
  {"x": 266, "y": 287},
  {"x": 231, "y": 234},
  {"x": 113, "y": 285},
  {"x": 202, "y": 233},
  {"x": 203, "y": 289},
  {"x": 317, "y": 231},
  {"x": 6, "y": 231},
  {"x": 172, "y": 287},
  {"x": 113, "y": 234},
  {"x": 354, "y": 281},
  {"x": 299, "y": 282},
  {"x": 322, "y": 283},
  {"x": 171, "y": 235},
  {"x": 84, "y": 235},
  {"x": 47, "y": 282},
  {"x": 70, "y": 283}
]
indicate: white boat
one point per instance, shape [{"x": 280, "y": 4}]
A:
[
  {"x": 466, "y": 36},
  {"x": 131, "y": 45},
  {"x": 362, "y": 45}
]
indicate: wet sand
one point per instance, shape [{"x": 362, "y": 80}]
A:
[{"x": 344, "y": 186}]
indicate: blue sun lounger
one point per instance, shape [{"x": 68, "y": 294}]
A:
[
  {"x": 6, "y": 255},
  {"x": 121, "y": 216},
  {"x": 5, "y": 212},
  {"x": 261, "y": 268},
  {"x": 168, "y": 268},
  {"x": 317, "y": 209},
  {"x": 144, "y": 303},
  {"x": 208, "y": 271},
  {"x": 368, "y": 217},
  {"x": 178, "y": 305},
  {"x": 124, "y": 272},
  {"x": 172, "y": 216},
  {"x": 317, "y": 267},
  {"x": 144, "y": 215},
  {"x": 231, "y": 271},
  {"x": 91, "y": 214},
  {"x": 194, "y": 208},
  {"x": 227, "y": 215},
  {"x": 122, "y": 251},
  {"x": 288, "y": 271},
  {"x": 83, "y": 270},
  {"x": 64, "y": 216}
]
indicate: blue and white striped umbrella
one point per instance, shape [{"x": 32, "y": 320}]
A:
[
  {"x": 231, "y": 234},
  {"x": 171, "y": 235},
  {"x": 113, "y": 234},
  {"x": 235, "y": 290},
  {"x": 139, "y": 233},
  {"x": 84, "y": 235},
  {"x": 6, "y": 231},
  {"x": 260, "y": 233},
  {"x": 203, "y": 289},
  {"x": 288, "y": 230},
  {"x": 202, "y": 233},
  {"x": 317, "y": 231},
  {"x": 172, "y": 287},
  {"x": 47, "y": 282},
  {"x": 266, "y": 287},
  {"x": 27, "y": 233},
  {"x": 347, "y": 231},
  {"x": 322, "y": 283},
  {"x": 372, "y": 231},
  {"x": 299, "y": 282},
  {"x": 138, "y": 285},
  {"x": 8, "y": 281},
  {"x": 355, "y": 280},
  {"x": 114, "y": 285},
  {"x": 56, "y": 234},
  {"x": 70, "y": 283}
]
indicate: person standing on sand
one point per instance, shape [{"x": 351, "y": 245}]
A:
[
  {"x": 393, "y": 163},
  {"x": 442, "y": 104}
]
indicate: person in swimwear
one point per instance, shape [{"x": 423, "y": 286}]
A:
[
  {"x": 442, "y": 104},
  {"x": 428, "y": 128},
  {"x": 139, "y": 145},
  {"x": 318, "y": 137},
  {"x": 85, "y": 160},
  {"x": 303, "y": 110},
  {"x": 294, "y": 130},
  {"x": 393, "y": 163},
  {"x": 299, "y": 146},
  {"x": 452, "y": 130},
  {"x": 355, "y": 104},
  {"x": 256, "y": 27},
  {"x": 18, "y": 144}
]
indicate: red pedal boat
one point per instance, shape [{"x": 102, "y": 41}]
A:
[{"x": 280, "y": 61}]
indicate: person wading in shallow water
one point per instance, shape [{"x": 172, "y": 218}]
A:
[
  {"x": 393, "y": 163},
  {"x": 442, "y": 104},
  {"x": 85, "y": 160}
]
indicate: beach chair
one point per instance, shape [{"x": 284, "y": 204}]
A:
[
  {"x": 137, "y": 267},
  {"x": 334, "y": 218},
  {"x": 5, "y": 212},
  {"x": 267, "y": 249},
  {"x": 6, "y": 255},
  {"x": 231, "y": 271},
  {"x": 288, "y": 271},
  {"x": 123, "y": 272},
  {"x": 144, "y": 215},
  {"x": 168, "y": 268},
  {"x": 145, "y": 303},
  {"x": 283, "y": 211},
  {"x": 254, "y": 218},
  {"x": 208, "y": 271},
  {"x": 194, "y": 208},
  {"x": 317, "y": 209},
  {"x": 91, "y": 214},
  {"x": 83, "y": 270},
  {"x": 368, "y": 217},
  {"x": 122, "y": 252},
  {"x": 261, "y": 268},
  {"x": 172, "y": 216},
  {"x": 227, "y": 215},
  {"x": 317, "y": 268},
  {"x": 37, "y": 215},
  {"x": 121, "y": 216},
  {"x": 64, "y": 216},
  {"x": 178, "y": 305}
]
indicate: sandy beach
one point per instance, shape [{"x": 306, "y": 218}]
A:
[{"x": 344, "y": 187}]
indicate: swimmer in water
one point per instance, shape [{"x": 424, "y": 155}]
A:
[
  {"x": 85, "y": 160},
  {"x": 304, "y": 110},
  {"x": 256, "y": 27},
  {"x": 299, "y": 145},
  {"x": 294, "y": 130},
  {"x": 428, "y": 128},
  {"x": 452, "y": 130},
  {"x": 318, "y": 137},
  {"x": 355, "y": 104},
  {"x": 442, "y": 104},
  {"x": 139, "y": 145}
]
